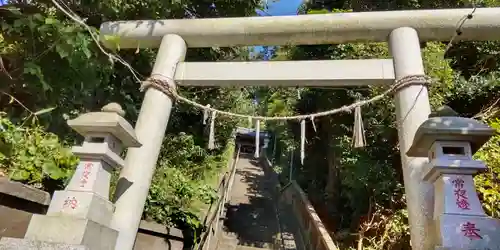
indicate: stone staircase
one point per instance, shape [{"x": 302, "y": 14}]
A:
[
  {"x": 251, "y": 220},
  {"x": 230, "y": 242},
  {"x": 227, "y": 242},
  {"x": 246, "y": 248},
  {"x": 261, "y": 214}
]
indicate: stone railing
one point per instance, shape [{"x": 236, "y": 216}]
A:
[
  {"x": 18, "y": 203},
  {"x": 154, "y": 236},
  {"x": 312, "y": 232}
]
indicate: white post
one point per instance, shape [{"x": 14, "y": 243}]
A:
[
  {"x": 150, "y": 130},
  {"x": 274, "y": 147},
  {"x": 412, "y": 108},
  {"x": 257, "y": 139},
  {"x": 291, "y": 166}
]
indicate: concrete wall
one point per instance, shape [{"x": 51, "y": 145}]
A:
[
  {"x": 312, "y": 231},
  {"x": 18, "y": 203}
]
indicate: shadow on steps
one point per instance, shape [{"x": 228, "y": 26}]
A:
[{"x": 251, "y": 217}]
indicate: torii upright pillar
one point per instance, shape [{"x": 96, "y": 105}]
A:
[
  {"x": 140, "y": 163},
  {"x": 412, "y": 109}
]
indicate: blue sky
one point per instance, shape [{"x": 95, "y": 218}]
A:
[
  {"x": 275, "y": 7},
  {"x": 279, "y": 8},
  {"x": 282, "y": 7}
]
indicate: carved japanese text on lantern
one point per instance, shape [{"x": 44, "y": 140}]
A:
[
  {"x": 87, "y": 169},
  {"x": 462, "y": 200},
  {"x": 470, "y": 231},
  {"x": 70, "y": 202}
]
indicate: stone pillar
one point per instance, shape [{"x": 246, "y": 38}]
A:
[
  {"x": 459, "y": 219},
  {"x": 412, "y": 108},
  {"x": 140, "y": 163},
  {"x": 79, "y": 217}
]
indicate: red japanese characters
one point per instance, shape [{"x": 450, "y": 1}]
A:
[
  {"x": 470, "y": 231},
  {"x": 86, "y": 172},
  {"x": 70, "y": 202},
  {"x": 462, "y": 200}
]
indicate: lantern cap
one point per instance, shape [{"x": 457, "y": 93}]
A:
[
  {"x": 449, "y": 128},
  {"x": 113, "y": 108},
  {"x": 109, "y": 121}
]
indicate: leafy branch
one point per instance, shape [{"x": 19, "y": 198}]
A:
[{"x": 33, "y": 115}]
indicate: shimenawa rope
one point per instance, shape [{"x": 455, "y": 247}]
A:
[{"x": 166, "y": 87}]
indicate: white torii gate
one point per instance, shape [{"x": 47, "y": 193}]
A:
[{"x": 403, "y": 30}]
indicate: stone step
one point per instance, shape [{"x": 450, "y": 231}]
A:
[
  {"x": 227, "y": 241},
  {"x": 251, "y": 221},
  {"x": 249, "y": 248},
  {"x": 225, "y": 246},
  {"x": 255, "y": 245}
]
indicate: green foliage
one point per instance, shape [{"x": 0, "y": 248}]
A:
[
  {"x": 172, "y": 193},
  {"x": 30, "y": 63},
  {"x": 488, "y": 184},
  {"x": 359, "y": 192},
  {"x": 50, "y": 61},
  {"x": 184, "y": 183},
  {"x": 33, "y": 156},
  {"x": 391, "y": 231}
]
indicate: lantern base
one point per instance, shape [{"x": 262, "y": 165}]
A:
[
  {"x": 71, "y": 230},
  {"x": 84, "y": 205},
  {"x": 7, "y": 243},
  {"x": 465, "y": 232}
]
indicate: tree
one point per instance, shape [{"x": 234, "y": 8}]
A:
[
  {"x": 49, "y": 61},
  {"x": 361, "y": 190}
]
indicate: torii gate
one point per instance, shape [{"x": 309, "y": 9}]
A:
[{"x": 403, "y": 30}]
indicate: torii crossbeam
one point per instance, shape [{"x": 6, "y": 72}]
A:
[
  {"x": 431, "y": 25},
  {"x": 403, "y": 30}
]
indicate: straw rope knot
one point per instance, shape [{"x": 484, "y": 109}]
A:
[
  {"x": 411, "y": 80},
  {"x": 161, "y": 85}
]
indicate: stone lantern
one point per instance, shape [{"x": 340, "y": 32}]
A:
[
  {"x": 80, "y": 215},
  {"x": 449, "y": 142}
]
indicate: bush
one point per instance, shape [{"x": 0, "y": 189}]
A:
[
  {"x": 487, "y": 184},
  {"x": 32, "y": 156}
]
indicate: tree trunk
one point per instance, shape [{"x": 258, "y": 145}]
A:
[{"x": 332, "y": 188}]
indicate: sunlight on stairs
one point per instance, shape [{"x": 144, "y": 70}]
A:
[
  {"x": 230, "y": 242},
  {"x": 247, "y": 248},
  {"x": 251, "y": 221}
]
